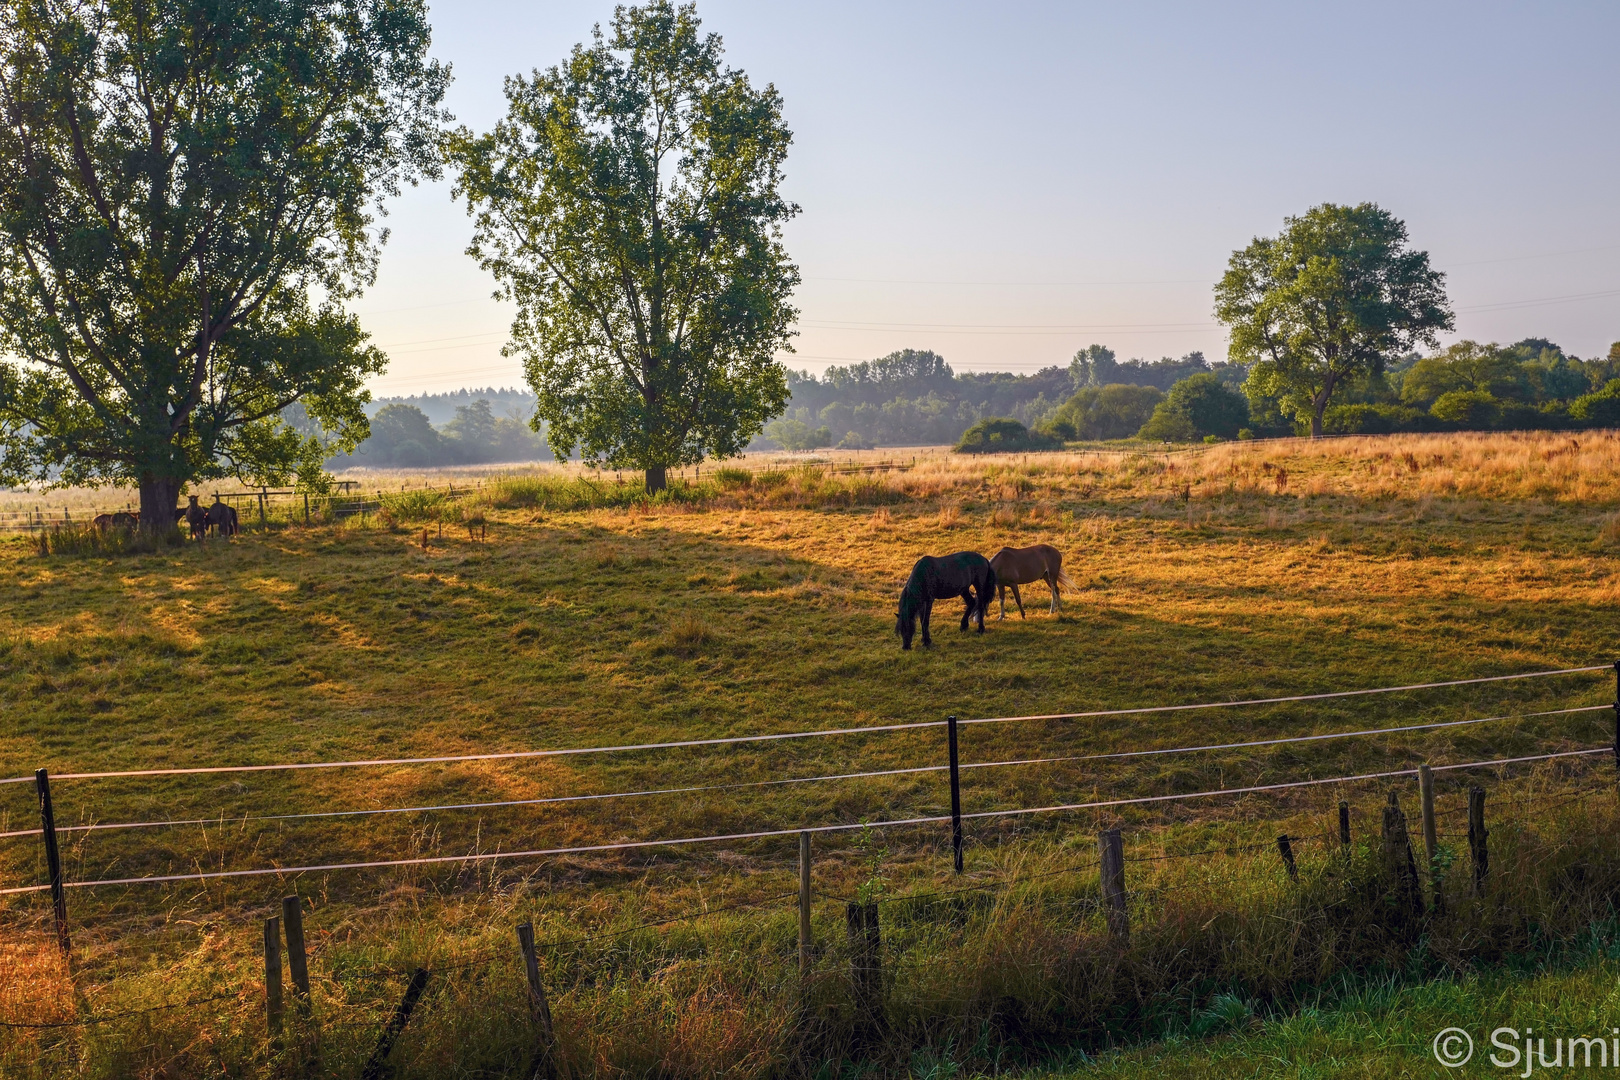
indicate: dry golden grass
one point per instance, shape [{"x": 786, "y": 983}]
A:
[{"x": 1232, "y": 571}]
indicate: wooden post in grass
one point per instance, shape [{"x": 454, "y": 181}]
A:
[
  {"x": 377, "y": 1067},
  {"x": 866, "y": 968},
  {"x": 1111, "y": 857},
  {"x": 1286, "y": 850},
  {"x": 956, "y": 795},
  {"x": 306, "y": 508},
  {"x": 292, "y": 917},
  {"x": 1431, "y": 842},
  {"x": 545, "y": 1051},
  {"x": 1399, "y": 866},
  {"x": 1477, "y": 836},
  {"x": 1617, "y": 716},
  {"x": 804, "y": 905},
  {"x": 272, "y": 977},
  {"x": 53, "y": 858},
  {"x": 1344, "y": 823}
]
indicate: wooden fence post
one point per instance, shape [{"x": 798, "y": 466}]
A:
[
  {"x": 545, "y": 1053},
  {"x": 1617, "y": 716},
  {"x": 272, "y": 976},
  {"x": 956, "y": 796},
  {"x": 1431, "y": 842},
  {"x": 1344, "y": 823},
  {"x": 1477, "y": 836},
  {"x": 804, "y": 905},
  {"x": 53, "y": 858},
  {"x": 1286, "y": 850},
  {"x": 379, "y": 1057},
  {"x": 1111, "y": 857},
  {"x": 1399, "y": 865},
  {"x": 263, "y": 496},
  {"x": 292, "y": 917},
  {"x": 866, "y": 966}
]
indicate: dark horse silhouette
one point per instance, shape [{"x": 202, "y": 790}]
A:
[{"x": 938, "y": 578}]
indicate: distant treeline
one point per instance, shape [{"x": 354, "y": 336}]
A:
[
  {"x": 914, "y": 397},
  {"x": 463, "y": 427}
]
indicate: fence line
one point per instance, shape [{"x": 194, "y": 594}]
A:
[
  {"x": 221, "y": 820},
  {"x": 734, "y": 740},
  {"x": 769, "y": 833}
]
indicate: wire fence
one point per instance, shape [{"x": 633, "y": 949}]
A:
[{"x": 954, "y": 768}]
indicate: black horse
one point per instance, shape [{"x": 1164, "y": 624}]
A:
[{"x": 938, "y": 578}]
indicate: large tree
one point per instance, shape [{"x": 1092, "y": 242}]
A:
[
  {"x": 187, "y": 190},
  {"x": 1332, "y": 297},
  {"x": 629, "y": 206}
]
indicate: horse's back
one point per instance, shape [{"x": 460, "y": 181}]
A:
[{"x": 1020, "y": 566}]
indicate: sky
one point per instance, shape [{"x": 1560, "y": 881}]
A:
[{"x": 1007, "y": 183}]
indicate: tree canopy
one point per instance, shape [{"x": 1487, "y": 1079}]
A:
[
  {"x": 629, "y": 205},
  {"x": 1333, "y": 296},
  {"x": 187, "y": 193}
]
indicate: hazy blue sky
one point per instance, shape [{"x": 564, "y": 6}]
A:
[{"x": 1006, "y": 183}]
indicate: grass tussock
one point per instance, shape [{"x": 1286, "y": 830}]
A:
[{"x": 87, "y": 540}]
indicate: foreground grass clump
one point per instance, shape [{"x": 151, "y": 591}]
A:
[{"x": 1245, "y": 570}]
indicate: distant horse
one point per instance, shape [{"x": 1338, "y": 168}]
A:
[
  {"x": 122, "y": 519},
  {"x": 939, "y": 578},
  {"x": 196, "y": 517},
  {"x": 222, "y": 517},
  {"x": 1022, "y": 566}
]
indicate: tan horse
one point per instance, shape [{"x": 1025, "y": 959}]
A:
[{"x": 1023, "y": 566}]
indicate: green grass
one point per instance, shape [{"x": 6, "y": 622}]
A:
[{"x": 759, "y": 607}]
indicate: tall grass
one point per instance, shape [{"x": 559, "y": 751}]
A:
[
  {"x": 995, "y": 971},
  {"x": 89, "y": 540}
]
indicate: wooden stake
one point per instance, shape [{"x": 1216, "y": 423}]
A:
[
  {"x": 804, "y": 905},
  {"x": 53, "y": 859},
  {"x": 272, "y": 976},
  {"x": 1111, "y": 855},
  {"x": 1344, "y": 823},
  {"x": 1431, "y": 843},
  {"x": 1398, "y": 863},
  {"x": 545, "y": 1054},
  {"x": 413, "y": 993},
  {"x": 866, "y": 967},
  {"x": 1477, "y": 837},
  {"x": 292, "y": 917},
  {"x": 1286, "y": 850}
]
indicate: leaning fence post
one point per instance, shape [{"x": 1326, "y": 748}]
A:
[
  {"x": 545, "y": 1057},
  {"x": 956, "y": 795},
  {"x": 292, "y": 917},
  {"x": 1111, "y": 857},
  {"x": 272, "y": 976},
  {"x": 1431, "y": 843},
  {"x": 1477, "y": 837},
  {"x": 53, "y": 858},
  {"x": 413, "y": 993},
  {"x": 1286, "y": 850},
  {"x": 804, "y": 905}
]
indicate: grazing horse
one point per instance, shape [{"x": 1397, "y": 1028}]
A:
[
  {"x": 196, "y": 517},
  {"x": 222, "y": 517},
  {"x": 939, "y": 578},
  {"x": 1022, "y": 566},
  {"x": 120, "y": 519}
]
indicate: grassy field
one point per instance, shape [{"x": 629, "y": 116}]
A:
[{"x": 759, "y": 601}]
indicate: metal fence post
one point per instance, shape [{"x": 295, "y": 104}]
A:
[
  {"x": 956, "y": 795},
  {"x": 53, "y": 858}
]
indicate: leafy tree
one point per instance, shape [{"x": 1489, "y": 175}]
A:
[
  {"x": 797, "y": 435},
  {"x": 1334, "y": 295},
  {"x": 1197, "y": 407},
  {"x": 1106, "y": 412},
  {"x": 401, "y": 435},
  {"x": 629, "y": 206},
  {"x": 1471, "y": 410},
  {"x": 1601, "y": 408},
  {"x": 1094, "y": 365},
  {"x": 1466, "y": 366},
  {"x": 998, "y": 434},
  {"x": 186, "y": 199}
]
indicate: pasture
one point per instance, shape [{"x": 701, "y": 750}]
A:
[{"x": 751, "y": 603}]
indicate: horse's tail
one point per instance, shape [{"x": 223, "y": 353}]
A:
[{"x": 1064, "y": 582}]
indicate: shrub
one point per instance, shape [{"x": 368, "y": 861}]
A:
[
  {"x": 1375, "y": 420},
  {"x": 1473, "y": 410},
  {"x": 1116, "y": 411},
  {"x": 1197, "y": 407},
  {"x": 1600, "y": 409},
  {"x": 1000, "y": 435},
  {"x": 797, "y": 435},
  {"x": 1168, "y": 424}
]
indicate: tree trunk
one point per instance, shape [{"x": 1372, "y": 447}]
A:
[
  {"x": 1316, "y": 419},
  {"x": 656, "y": 480},
  {"x": 159, "y": 494}
]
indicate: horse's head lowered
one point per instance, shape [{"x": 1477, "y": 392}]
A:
[{"x": 905, "y": 619}]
